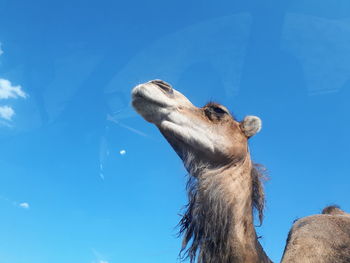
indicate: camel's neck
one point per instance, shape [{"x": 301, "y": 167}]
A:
[{"x": 219, "y": 220}]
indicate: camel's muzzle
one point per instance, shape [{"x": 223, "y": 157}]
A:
[{"x": 163, "y": 85}]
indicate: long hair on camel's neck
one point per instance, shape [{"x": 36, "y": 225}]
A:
[{"x": 208, "y": 217}]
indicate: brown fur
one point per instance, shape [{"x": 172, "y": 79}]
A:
[
  {"x": 207, "y": 219},
  {"x": 333, "y": 210},
  {"x": 319, "y": 239}
]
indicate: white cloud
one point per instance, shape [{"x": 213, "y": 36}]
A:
[
  {"x": 24, "y": 205},
  {"x": 6, "y": 112},
  {"x": 103, "y": 261},
  {"x": 122, "y": 152},
  {"x": 1, "y": 51},
  {"x": 8, "y": 91}
]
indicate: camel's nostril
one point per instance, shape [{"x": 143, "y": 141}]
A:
[{"x": 163, "y": 85}]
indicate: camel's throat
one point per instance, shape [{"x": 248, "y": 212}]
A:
[{"x": 218, "y": 223}]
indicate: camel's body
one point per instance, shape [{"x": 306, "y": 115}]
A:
[
  {"x": 224, "y": 185},
  {"x": 323, "y": 238}
]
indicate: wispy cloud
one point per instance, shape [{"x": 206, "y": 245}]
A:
[
  {"x": 5, "y": 123},
  {"x": 6, "y": 112},
  {"x": 99, "y": 257},
  {"x": 102, "y": 176},
  {"x": 1, "y": 51},
  {"x": 24, "y": 205},
  {"x": 7, "y": 90},
  {"x": 100, "y": 261}
]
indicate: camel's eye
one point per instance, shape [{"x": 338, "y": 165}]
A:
[
  {"x": 218, "y": 110},
  {"x": 214, "y": 112}
]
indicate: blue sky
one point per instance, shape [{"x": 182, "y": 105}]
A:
[{"x": 84, "y": 179}]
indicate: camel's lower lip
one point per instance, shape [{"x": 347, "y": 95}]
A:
[
  {"x": 138, "y": 95},
  {"x": 138, "y": 98}
]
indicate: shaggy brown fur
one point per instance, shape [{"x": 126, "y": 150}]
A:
[
  {"x": 319, "y": 239},
  {"x": 333, "y": 210},
  {"x": 207, "y": 221}
]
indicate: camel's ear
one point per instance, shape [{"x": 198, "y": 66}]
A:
[{"x": 251, "y": 125}]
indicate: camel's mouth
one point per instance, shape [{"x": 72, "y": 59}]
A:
[
  {"x": 156, "y": 100},
  {"x": 152, "y": 99},
  {"x": 140, "y": 98},
  {"x": 150, "y": 92}
]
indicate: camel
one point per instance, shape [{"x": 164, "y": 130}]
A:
[
  {"x": 224, "y": 186},
  {"x": 323, "y": 238}
]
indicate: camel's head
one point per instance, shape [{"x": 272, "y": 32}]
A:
[{"x": 209, "y": 134}]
